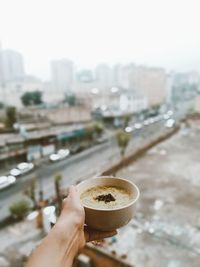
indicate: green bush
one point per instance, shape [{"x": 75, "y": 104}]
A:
[{"x": 19, "y": 209}]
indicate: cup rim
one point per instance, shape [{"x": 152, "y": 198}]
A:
[{"x": 113, "y": 209}]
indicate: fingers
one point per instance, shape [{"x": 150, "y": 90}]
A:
[
  {"x": 73, "y": 196},
  {"x": 92, "y": 235}
]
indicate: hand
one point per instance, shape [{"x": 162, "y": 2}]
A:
[
  {"x": 68, "y": 235},
  {"x": 72, "y": 203}
]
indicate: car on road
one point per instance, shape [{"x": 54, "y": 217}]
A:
[
  {"x": 22, "y": 168},
  {"x": 170, "y": 112},
  {"x": 59, "y": 155},
  {"x": 101, "y": 139},
  {"x": 152, "y": 120},
  {"x": 146, "y": 122},
  {"x": 170, "y": 123},
  {"x": 129, "y": 129},
  {"x": 137, "y": 125},
  {"x": 6, "y": 181},
  {"x": 166, "y": 116},
  {"x": 75, "y": 148}
]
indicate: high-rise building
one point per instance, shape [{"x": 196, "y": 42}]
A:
[
  {"x": 124, "y": 75},
  {"x": 62, "y": 74},
  {"x": 104, "y": 75},
  {"x": 184, "y": 87},
  {"x": 150, "y": 82},
  {"x": 11, "y": 65}
]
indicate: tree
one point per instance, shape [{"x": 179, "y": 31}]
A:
[
  {"x": 89, "y": 131},
  {"x": 123, "y": 139},
  {"x": 98, "y": 128},
  {"x": 127, "y": 120},
  {"x": 57, "y": 180},
  {"x": 154, "y": 110},
  {"x": 31, "y": 191},
  {"x": 32, "y": 98},
  {"x": 19, "y": 209},
  {"x": 70, "y": 99},
  {"x": 11, "y": 117}
]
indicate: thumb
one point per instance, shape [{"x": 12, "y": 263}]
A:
[
  {"x": 72, "y": 192},
  {"x": 72, "y": 198}
]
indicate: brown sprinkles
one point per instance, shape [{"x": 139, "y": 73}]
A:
[{"x": 106, "y": 198}]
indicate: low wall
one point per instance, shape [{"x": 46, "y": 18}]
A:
[
  {"x": 100, "y": 258},
  {"x": 137, "y": 154}
]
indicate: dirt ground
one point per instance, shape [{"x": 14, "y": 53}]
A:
[{"x": 166, "y": 229}]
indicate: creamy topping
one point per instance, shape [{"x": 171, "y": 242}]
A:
[{"x": 106, "y": 197}]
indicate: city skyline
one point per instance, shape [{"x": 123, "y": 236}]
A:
[
  {"x": 77, "y": 70},
  {"x": 91, "y": 32}
]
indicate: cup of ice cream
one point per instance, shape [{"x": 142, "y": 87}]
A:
[{"x": 109, "y": 202}]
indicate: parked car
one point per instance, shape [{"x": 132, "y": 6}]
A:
[
  {"x": 129, "y": 129},
  {"x": 22, "y": 168},
  {"x": 170, "y": 112},
  {"x": 54, "y": 157},
  {"x": 102, "y": 139},
  {"x": 75, "y": 148},
  {"x": 146, "y": 122},
  {"x": 166, "y": 116},
  {"x": 170, "y": 123},
  {"x": 59, "y": 155},
  {"x": 6, "y": 181},
  {"x": 137, "y": 125},
  {"x": 152, "y": 120}
]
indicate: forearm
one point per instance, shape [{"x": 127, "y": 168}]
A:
[
  {"x": 60, "y": 246},
  {"x": 58, "y": 249}
]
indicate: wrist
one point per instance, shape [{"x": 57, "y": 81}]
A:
[{"x": 69, "y": 236}]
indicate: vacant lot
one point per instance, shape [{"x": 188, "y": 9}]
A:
[{"x": 166, "y": 230}]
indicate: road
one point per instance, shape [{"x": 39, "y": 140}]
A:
[{"x": 76, "y": 168}]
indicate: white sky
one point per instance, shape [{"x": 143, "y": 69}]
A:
[{"x": 154, "y": 32}]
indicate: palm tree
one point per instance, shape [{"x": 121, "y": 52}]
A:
[
  {"x": 57, "y": 180},
  {"x": 30, "y": 192},
  {"x": 123, "y": 139}
]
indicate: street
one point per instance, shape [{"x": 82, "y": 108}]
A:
[
  {"x": 81, "y": 166},
  {"x": 86, "y": 164}
]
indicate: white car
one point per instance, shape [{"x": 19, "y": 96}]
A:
[
  {"x": 146, "y": 122},
  {"x": 170, "y": 112},
  {"x": 54, "y": 157},
  {"x": 6, "y": 181},
  {"x": 166, "y": 116},
  {"x": 137, "y": 126},
  {"x": 152, "y": 120},
  {"x": 22, "y": 168},
  {"x": 170, "y": 123},
  {"x": 128, "y": 129},
  {"x": 61, "y": 154}
]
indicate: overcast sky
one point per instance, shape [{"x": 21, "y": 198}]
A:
[{"x": 154, "y": 32}]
